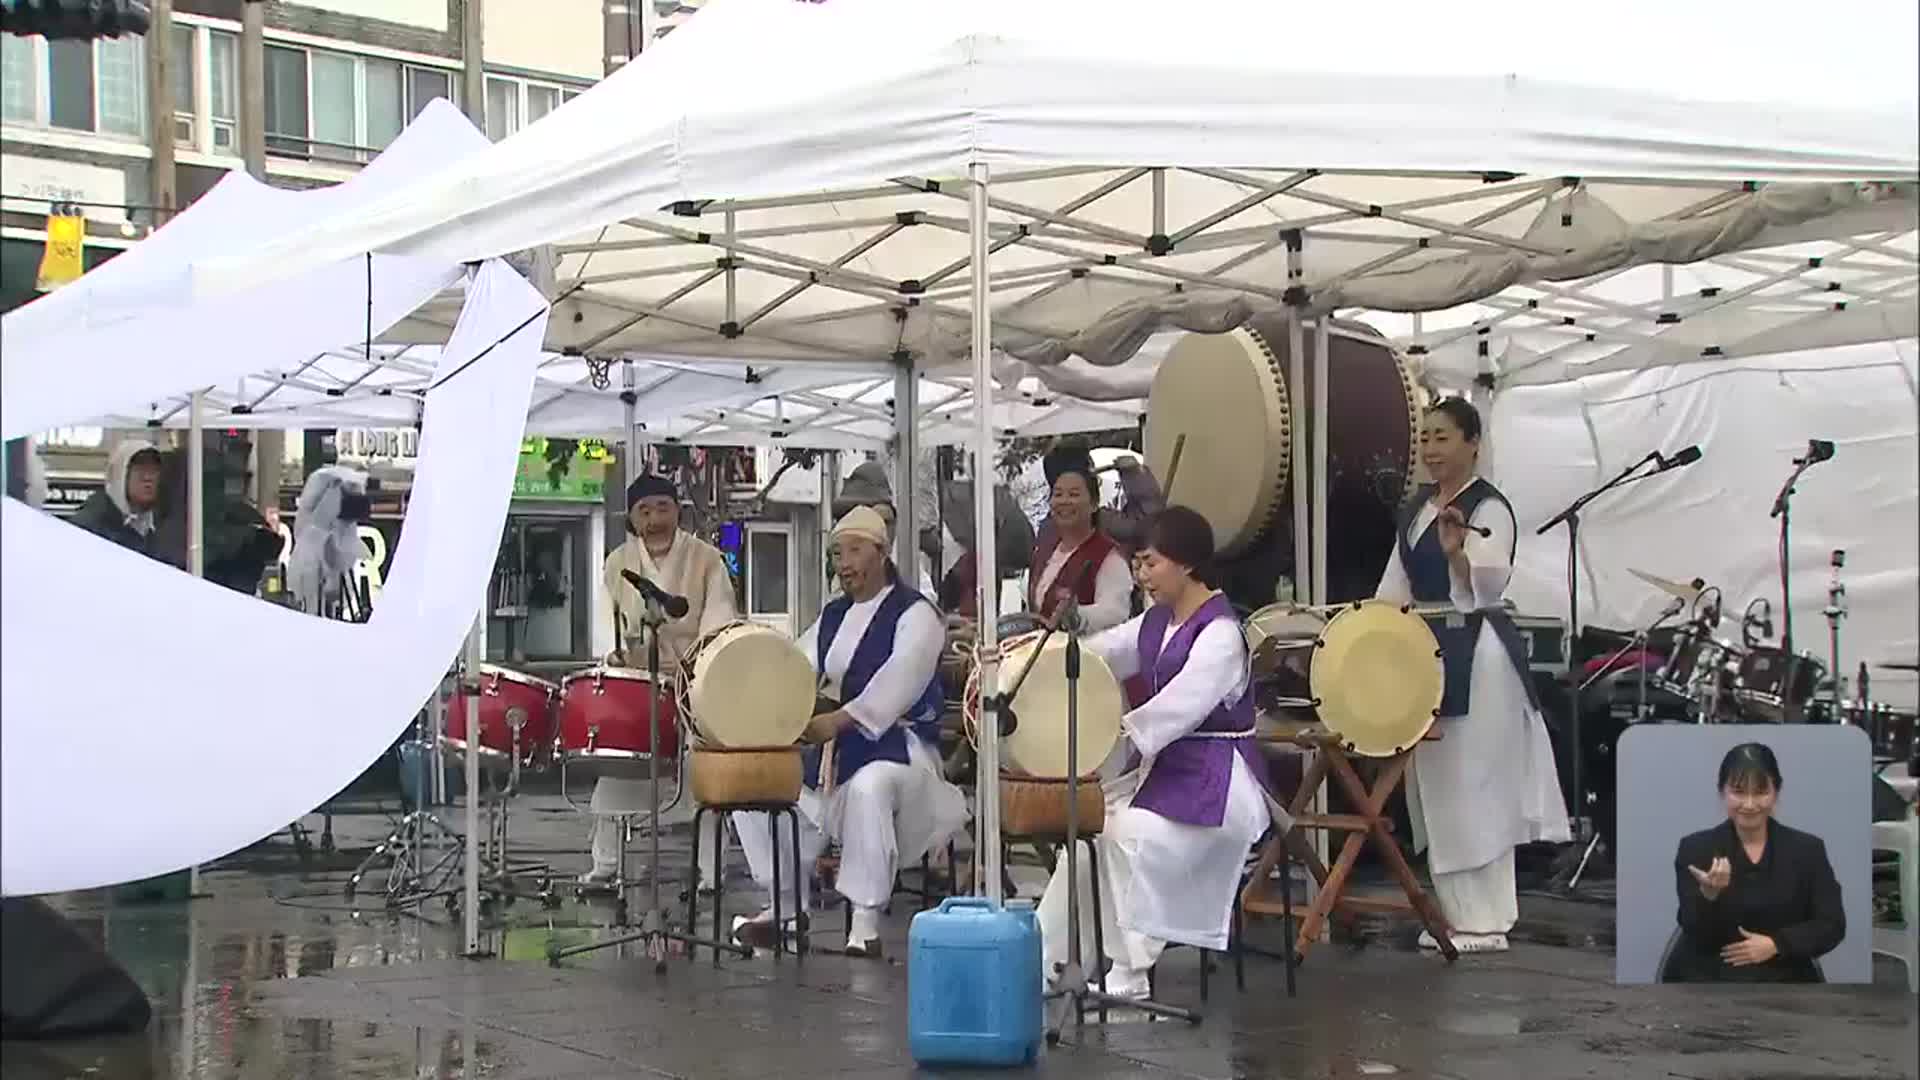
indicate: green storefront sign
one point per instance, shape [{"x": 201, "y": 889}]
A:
[{"x": 568, "y": 470}]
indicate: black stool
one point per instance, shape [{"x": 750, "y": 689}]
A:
[{"x": 774, "y": 812}]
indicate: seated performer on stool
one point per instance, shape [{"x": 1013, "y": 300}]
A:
[
  {"x": 1188, "y": 803},
  {"x": 1075, "y": 555},
  {"x": 877, "y": 646},
  {"x": 681, "y": 564},
  {"x": 1488, "y": 784}
]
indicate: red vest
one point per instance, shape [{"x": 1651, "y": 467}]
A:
[{"x": 1082, "y": 566}]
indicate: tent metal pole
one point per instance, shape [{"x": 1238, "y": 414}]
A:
[
  {"x": 470, "y": 686},
  {"x": 906, "y": 451},
  {"x": 987, "y": 774},
  {"x": 1322, "y": 374},
  {"x": 196, "y": 523}
]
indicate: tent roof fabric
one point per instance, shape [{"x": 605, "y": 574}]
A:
[{"x": 1154, "y": 172}]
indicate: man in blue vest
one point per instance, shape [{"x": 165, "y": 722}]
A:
[{"x": 873, "y": 775}]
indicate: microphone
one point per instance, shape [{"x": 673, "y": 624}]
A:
[
  {"x": 1685, "y": 456},
  {"x": 1818, "y": 450},
  {"x": 674, "y": 606}
]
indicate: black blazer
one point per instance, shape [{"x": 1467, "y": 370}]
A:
[{"x": 1790, "y": 895}]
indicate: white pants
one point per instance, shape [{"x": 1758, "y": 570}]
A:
[
  {"x": 614, "y": 798},
  {"x": 1483, "y": 900},
  {"x": 885, "y": 815},
  {"x": 1161, "y": 881}
]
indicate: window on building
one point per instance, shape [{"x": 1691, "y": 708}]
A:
[
  {"x": 223, "y": 81},
  {"x": 541, "y": 100},
  {"x": 19, "y": 100},
  {"x": 503, "y": 108},
  {"x": 336, "y": 105},
  {"x": 181, "y": 71},
  {"x": 286, "y": 85},
  {"x": 70, "y": 85},
  {"x": 514, "y": 103},
  {"x": 386, "y": 102},
  {"x": 123, "y": 85},
  {"x": 425, "y": 84}
]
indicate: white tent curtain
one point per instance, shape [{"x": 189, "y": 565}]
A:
[
  {"x": 199, "y": 719},
  {"x": 1711, "y": 520}
]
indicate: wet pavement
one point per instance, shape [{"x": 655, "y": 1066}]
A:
[{"x": 275, "y": 974}]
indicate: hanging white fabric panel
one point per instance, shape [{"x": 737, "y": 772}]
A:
[
  {"x": 196, "y": 720},
  {"x": 132, "y": 324}
]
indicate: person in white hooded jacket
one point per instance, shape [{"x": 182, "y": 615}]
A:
[{"x": 125, "y": 509}]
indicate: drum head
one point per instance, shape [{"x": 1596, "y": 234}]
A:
[
  {"x": 495, "y": 671},
  {"x": 1038, "y": 745},
  {"x": 1378, "y": 676},
  {"x": 1226, "y": 394},
  {"x": 751, "y": 687}
]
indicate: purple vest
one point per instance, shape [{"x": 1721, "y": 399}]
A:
[{"x": 1189, "y": 779}]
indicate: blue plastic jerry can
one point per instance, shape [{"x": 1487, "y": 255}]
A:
[{"x": 974, "y": 985}]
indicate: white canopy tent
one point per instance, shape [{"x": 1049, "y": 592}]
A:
[{"x": 1123, "y": 173}]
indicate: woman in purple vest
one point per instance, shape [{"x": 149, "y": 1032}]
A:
[
  {"x": 1184, "y": 802},
  {"x": 1488, "y": 785},
  {"x": 880, "y": 793}
]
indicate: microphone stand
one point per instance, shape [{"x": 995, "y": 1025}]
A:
[
  {"x": 1783, "y": 509},
  {"x": 1072, "y": 978},
  {"x": 1571, "y": 517},
  {"x": 654, "y": 929}
]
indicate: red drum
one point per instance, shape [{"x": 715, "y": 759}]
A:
[
  {"x": 604, "y": 723},
  {"x": 516, "y": 718}
]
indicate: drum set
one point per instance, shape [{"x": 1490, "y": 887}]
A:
[{"x": 723, "y": 722}]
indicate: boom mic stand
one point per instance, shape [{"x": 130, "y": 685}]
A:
[
  {"x": 654, "y": 929},
  {"x": 1072, "y": 979},
  {"x": 1571, "y": 517},
  {"x": 1639, "y": 641},
  {"x": 1818, "y": 450}
]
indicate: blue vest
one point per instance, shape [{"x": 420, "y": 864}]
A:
[
  {"x": 1431, "y": 581},
  {"x": 853, "y": 749}
]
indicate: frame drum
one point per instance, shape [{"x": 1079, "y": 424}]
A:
[
  {"x": 1371, "y": 670},
  {"x": 1038, "y": 745},
  {"x": 748, "y": 686},
  {"x": 1228, "y": 395}
]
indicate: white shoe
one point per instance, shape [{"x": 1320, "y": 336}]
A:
[
  {"x": 1125, "y": 982},
  {"x": 863, "y": 932},
  {"x": 597, "y": 877},
  {"x": 1467, "y": 943}
]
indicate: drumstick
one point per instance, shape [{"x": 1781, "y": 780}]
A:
[
  {"x": 1173, "y": 469},
  {"x": 1461, "y": 519}
]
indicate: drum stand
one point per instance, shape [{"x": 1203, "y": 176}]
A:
[
  {"x": 654, "y": 928},
  {"x": 1070, "y": 982},
  {"x": 1835, "y": 611},
  {"x": 410, "y": 877}
]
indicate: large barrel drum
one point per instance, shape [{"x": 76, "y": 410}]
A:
[{"x": 1230, "y": 396}]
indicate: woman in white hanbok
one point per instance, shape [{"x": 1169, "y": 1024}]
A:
[{"x": 1488, "y": 784}]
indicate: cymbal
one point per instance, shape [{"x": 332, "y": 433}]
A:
[{"x": 1671, "y": 588}]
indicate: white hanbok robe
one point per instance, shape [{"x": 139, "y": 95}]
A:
[
  {"x": 1161, "y": 880},
  {"x": 1488, "y": 785},
  {"x": 887, "y": 814},
  {"x": 693, "y": 569},
  {"x": 1112, "y": 588}
]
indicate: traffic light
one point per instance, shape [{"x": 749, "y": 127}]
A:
[{"x": 81, "y": 20}]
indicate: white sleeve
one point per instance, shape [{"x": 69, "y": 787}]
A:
[
  {"x": 1489, "y": 558},
  {"x": 917, "y": 640},
  {"x": 1216, "y": 670},
  {"x": 809, "y": 644},
  {"x": 717, "y": 608},
  {"x": 1112, "y": 595},
  {"x": 1394, "y": 586},
  {"x": 1119, "y": 647}
]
